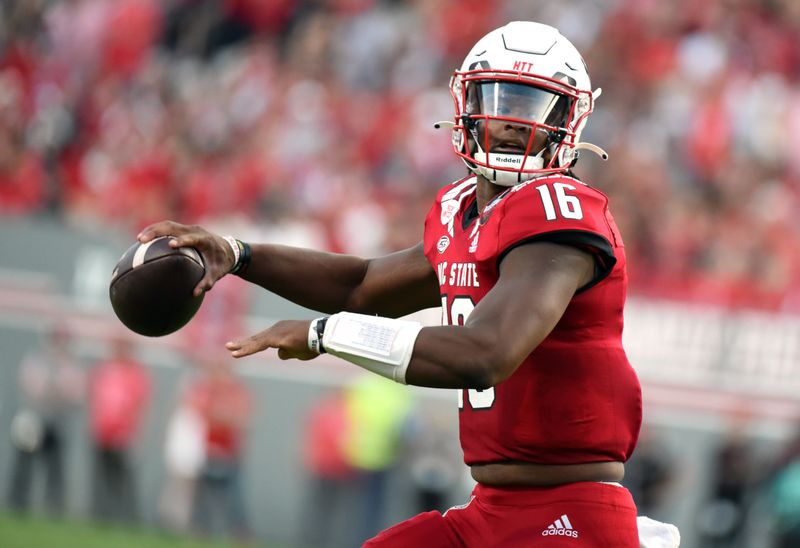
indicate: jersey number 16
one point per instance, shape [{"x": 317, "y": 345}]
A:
[
  {"x": 456, "y": 314},
  {"x": 568, "y": 205}
]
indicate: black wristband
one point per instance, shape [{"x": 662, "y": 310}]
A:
[
  {"x": 320, "y": 327},
  {"x": 245, "y": 254}
]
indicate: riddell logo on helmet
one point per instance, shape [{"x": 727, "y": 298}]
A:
[{"x": 523, "y": 66}]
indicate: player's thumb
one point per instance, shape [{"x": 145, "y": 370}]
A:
[
  {"x": 285, "y": 354},
  {"x": 205, "y": 285}
]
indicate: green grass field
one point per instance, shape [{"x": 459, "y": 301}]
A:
[{"x": 35, "y": 532}]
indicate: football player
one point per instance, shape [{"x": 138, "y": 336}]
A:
[{"x": 528, "y": 267}]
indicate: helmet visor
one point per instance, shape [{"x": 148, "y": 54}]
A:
[{"x": 518, "y": 101}]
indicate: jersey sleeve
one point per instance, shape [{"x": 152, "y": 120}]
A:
[
  {"x": 447, "y": 205},
  {"x": 558, "y": 210},
  {"x": 428, "y": 241}
]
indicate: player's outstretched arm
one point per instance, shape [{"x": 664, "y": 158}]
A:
[
  {"x": 537, "y": 282},
  {"x": 393, "y": 285}
]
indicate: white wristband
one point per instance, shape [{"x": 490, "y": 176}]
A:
[
  {"x": 314, "y": 339},
  {"x": 381, "y": 345},
  {"x": 235, "y": 248}
]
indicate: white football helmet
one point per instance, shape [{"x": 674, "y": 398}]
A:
[{"x": 529, "y": 77}]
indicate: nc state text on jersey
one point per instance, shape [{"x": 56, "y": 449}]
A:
[{"x": 458, "y": 274}]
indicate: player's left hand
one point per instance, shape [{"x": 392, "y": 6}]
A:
[{"x": 290, "y": 337}]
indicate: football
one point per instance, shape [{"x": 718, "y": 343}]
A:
[{"x": 151, "y": 287}]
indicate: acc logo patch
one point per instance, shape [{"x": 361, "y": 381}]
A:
[{"x": 443, "y": 243}]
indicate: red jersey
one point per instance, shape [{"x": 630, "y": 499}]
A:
[
  {"x": 120, "y": 390},
  {"x": 224, "y": 405},
  {"x": 575, "y": 398}
]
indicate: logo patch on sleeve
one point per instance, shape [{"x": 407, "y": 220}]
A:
[{"x": 443, "y": 243}]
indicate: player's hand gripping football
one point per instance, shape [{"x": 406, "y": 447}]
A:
[
  {"x": 217, "y": 255},
  {"x": 290, "y": 337}
]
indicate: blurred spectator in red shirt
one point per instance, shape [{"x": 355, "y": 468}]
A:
[
  {"x": 330, "y": 476},
  {"x": 119, "y": 393},
  {"x": 22, "y": 176},
  {"x": 134, "y": 27},
  {"x": 261, "y": 16},
  {"x": 224, "y": 405}
]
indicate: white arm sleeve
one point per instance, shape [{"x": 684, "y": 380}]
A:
[{"x": 381, "y": 345}]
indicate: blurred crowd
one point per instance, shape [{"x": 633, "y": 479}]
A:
[
  {"x": 311, "y": 122},
  {"x": 352, "y": 441},
  {"x": 202, "y": 448}
]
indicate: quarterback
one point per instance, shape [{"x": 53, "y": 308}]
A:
[{"x": 528, "y": 267}]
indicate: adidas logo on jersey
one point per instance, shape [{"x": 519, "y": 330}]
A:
[{"x": 560, "y": 528}]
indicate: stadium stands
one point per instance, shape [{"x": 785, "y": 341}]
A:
[{"x": 272, "y": 114}]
